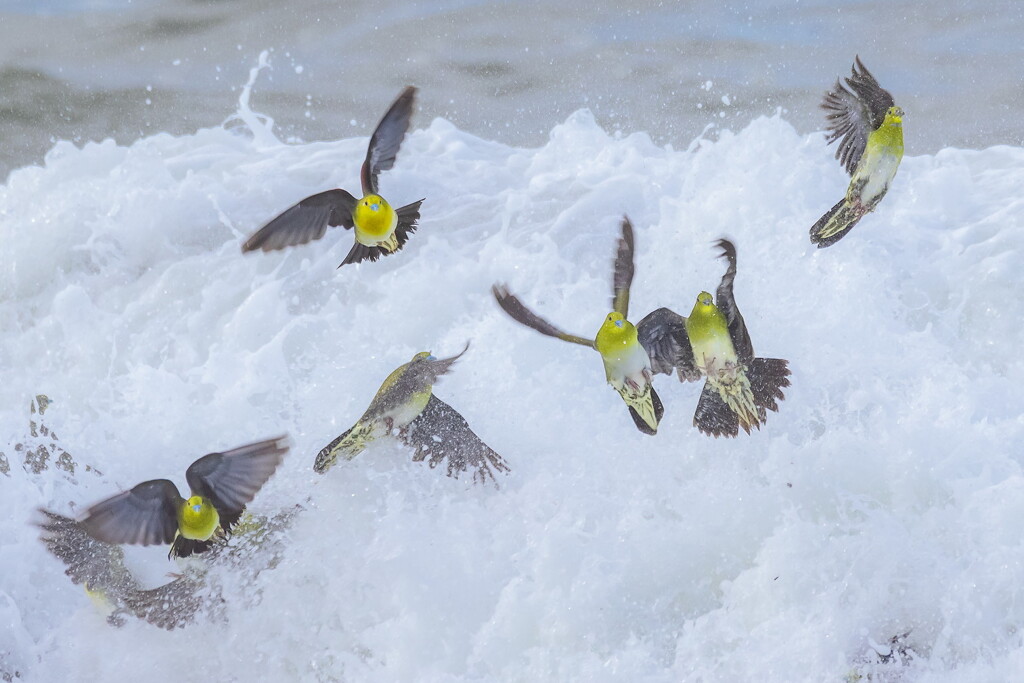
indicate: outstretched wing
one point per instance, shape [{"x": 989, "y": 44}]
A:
[
  {"x": 306, "y": 221},
  {"x": 231, "y": 479},
  {"x": 440, "y": 433},
  {"x": 511, "y": 304},
  {"x": 146, "y": 515},
  {"x": 727, "y": 305},
  {"x": 98, "y": 565},
  {"x": 854, "y": 112},
  {"x": 622, "y": 276},
  {"x": 387, "y": 139},
  {"x": 662, "y": 333}
]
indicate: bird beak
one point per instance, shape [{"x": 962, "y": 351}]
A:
[
  {"x": 196, "y": 508},
  {"x": 375, "y": 207},
  {"x": 619, "y": 323}
]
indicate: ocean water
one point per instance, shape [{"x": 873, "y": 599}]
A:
[
  {"x": 869, "y": 529},
  {"x": 508, "y": 71}
]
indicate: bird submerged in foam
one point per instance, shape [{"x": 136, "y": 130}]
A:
[
  {"x": 632, "y": 354},
  {"x": 379, "y": 228},
  {"x": 870, "y": 127},
  {"x": 154, "y": 512},
  {"x": 405, "y": 406},
  {"x": 715, "y": 344}
]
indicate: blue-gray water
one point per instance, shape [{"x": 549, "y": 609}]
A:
[{"x": 91, "y": 69}]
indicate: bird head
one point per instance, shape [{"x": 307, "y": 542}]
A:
[
  {"x": 893, "y": 116},
  {"x": 423, "y": 355},
  {"x": 615, "y": 332},
  {"x": 373, "y": 214},
  {"x": 705, "y": 305},
  {"x": 373, "y": 202},
  {"x": 195, "y": 504}
]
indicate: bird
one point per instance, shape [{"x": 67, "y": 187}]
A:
[
  {"x": 739, "y": 388},
  {"x": 631, "y": 354},
  {"x": 154, "y": 512},
  {"x": 100, "y": 568},
  {"x": 405, "y": 406},
  {"x": 380, "y": 229},
  {"x": 864, "y": 117}
]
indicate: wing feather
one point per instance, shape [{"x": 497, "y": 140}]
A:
[
  {"x": 231, "y": 479},
  {"x": 146, "y": 515},
  {"x": 304, "y": 222},
  {"x": 511, "y": 304},
  {"x": 853, "y": 112},
  {"x": 727, "y": 305},
  {"x": 387, "y": 139}
]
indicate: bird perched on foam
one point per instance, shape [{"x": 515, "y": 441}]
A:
[
  {"x": 405, "y": 406},
  {"x": 379, "y": 228},
  {"x": 154, "y": 512},
  {"x": 631, "y": 354},
  {"x": 864, "y": 117},
  {"x": 715, "y": 344}
]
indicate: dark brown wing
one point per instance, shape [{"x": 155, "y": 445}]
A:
[
  {"x": 231, "y": 479},
  {"x": 727, "y": 305},
  {"x": 387, "y": 139},
  {"x": 662, "y": 333},
  {"x": 306, "y": 221},
  {"x": 854, "y": 112},
  {"x": 408, "y": 216},
  {"x": 622, "y": 276},
  {"x": 440, "y": 433},
  {"x": 145, "y": 515},
  {"x": 511, "y": 304},
  {"x": 98, "y": 565}
]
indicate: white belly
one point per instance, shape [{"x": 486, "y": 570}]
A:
[
  {"x": 633, "y": 364},
  {"x": 879, "y": 169}
]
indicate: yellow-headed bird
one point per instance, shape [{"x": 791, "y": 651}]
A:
[
  {"x": 405, "y": 406},
  {"x": 380, "y": 229},
  {"x": 740, "y": 388},
  {"x": 154, "y": 512},
  {"x": 630, "y": 361},
  {"x": 871, "y": 128}
]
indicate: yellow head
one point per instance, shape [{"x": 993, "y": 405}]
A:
[
  {"x": 423, "y": 355},
  {"x": 616, "y": 333},
  {"x": 374, "y": 215},
  {"x": 893, "y": 117},
  {"x": 198, "y": 519},
  {"x": 704, "y": 305}
]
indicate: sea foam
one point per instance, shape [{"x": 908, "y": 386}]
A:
[{"x": 877, "y": 512}]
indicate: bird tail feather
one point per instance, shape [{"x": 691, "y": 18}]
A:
[
  {"x": 767, "y": 378},
  {"x": 834, "y": 225},
  {"x": 348, "y": 445},
  {"x": 646, "y": 409}
]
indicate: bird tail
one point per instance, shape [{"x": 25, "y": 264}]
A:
[
  {"x": 767, "y": 378},
  {"x": 186, "y": 547},
  {"x": 348, "y": 445},
  {"x": 834, "y": 225},
  {"x": 645, "y": 408}
]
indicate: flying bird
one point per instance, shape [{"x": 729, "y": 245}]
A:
[
  {"x": 379, "y": 228},
  {"x": 405, "y": 406},
  {"x": 154, "y": 512},
  {"x": 869, "y": 126},
  {"x": 740, "y": 388},
  {"x": 631, "y": 354}
]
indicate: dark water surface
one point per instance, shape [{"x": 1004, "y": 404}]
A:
[{"x": 91, "y": 69}]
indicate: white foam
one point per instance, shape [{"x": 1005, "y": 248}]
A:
[{"x": 884, "y": 498}]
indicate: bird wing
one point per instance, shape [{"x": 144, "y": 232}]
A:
[
  {"x": 386, "y": 139},
  {"x": 622, "y": 276},
  {"x": 146, "y": 514},
  {"x": 231, "y": 479},
  {"x": 854, "y": 112},
  {"x": 304, "y": 222},
  {"x": 98, "y": 565},
  {"x": 662, "y": 333},
  {"x": 727, "y": 305},
  {"x": 511, "y": 304},
  {"x": 440, "y": 433}
]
